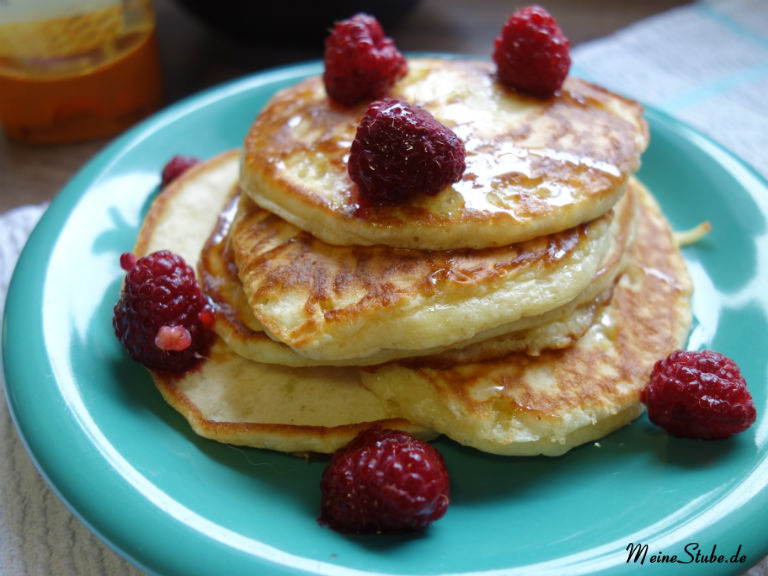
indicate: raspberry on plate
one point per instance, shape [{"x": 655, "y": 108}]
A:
[
  {"x": 175, "y": 167},
  {"x": 361, "y": 63},
  {"x": 401, "y": 151},
  {"x": 161, "y": 317},
  {"x": 531, "y": 53},
  {"x": 384, "y": 481},
  {"x": 698, "y": 395}
]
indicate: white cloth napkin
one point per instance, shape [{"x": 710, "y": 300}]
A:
[{"x": 706, "y": 64}]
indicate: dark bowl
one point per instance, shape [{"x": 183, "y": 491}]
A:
[{"x": 290, "y": 22}]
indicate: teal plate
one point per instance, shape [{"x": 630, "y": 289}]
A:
[{"x": 129, "y": 467}]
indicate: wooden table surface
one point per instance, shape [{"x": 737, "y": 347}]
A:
[{"x": 195, "y": 56}]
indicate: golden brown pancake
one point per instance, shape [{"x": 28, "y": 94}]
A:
[
  {"x": 357, "y": 304},
  {"x": 238, "y": 401},
  {"x": 297, "y": 410},
  {"x": 524, "y": 405},
  {"x": 534, "y": 167},
  {"x": 237, "y": 325},
  {"x": 188, "y": 208}
]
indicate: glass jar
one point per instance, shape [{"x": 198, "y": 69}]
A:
[{"x": 76, "y": 69}]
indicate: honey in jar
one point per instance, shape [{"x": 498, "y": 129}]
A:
[{"x": 76, "y": 69}]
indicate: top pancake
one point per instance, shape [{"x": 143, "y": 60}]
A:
[{"x": 534, "y": 166}]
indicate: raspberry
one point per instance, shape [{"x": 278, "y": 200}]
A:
[
  {"x": 160, "y": 318},
  {"x": 384, "y": 481},
  {"x": 360, "y": 62},
  {"x": 698, "y": 395},
  {"x": 401, "y": 151},
  {"x": 531, "y": 53},
  {"x": 175, "y": 167}
]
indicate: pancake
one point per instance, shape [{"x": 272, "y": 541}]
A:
[
  {"x": 238, "y": 401},
  {"x": 558, "y": 328},
  {"x": 534, "y": 167},
  {"x": 297, "y": 410},
  {"x": 182, "y": 216},
  {"x": 548, "y": 404},
  {"x": 358, "y": 304}
]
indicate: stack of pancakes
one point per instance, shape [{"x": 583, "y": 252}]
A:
[{"x": 519, "y": 311}]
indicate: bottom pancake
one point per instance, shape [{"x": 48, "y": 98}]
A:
[
  {"x": 237, "y": 401},
  {"x": 297, "y": 410},
  {"x": 548, "y": 404}
]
